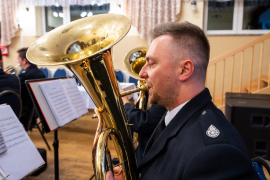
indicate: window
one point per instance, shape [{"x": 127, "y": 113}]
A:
[
  {"x": 237, "y": 17},
  {"x": 77, "y": 12},
  {"x": 55, "y": 16}
]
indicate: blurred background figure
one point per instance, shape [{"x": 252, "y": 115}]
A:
[
  {"x": 8, "y": 81},
  {"x": 30, "y": 71}
]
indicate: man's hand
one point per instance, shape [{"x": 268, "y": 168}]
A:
[
  {"x": 109, "y": 176},
  {"x": 125, "y": 99},
  {"x": 7, "y": 72},
  {"x": 118, "y": 174}
]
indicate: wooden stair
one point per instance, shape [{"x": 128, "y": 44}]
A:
[
  {"x": 254, "y": 88},
  {"x": 240, "y": 66}
]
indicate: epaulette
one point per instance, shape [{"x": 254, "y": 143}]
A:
[{"x": 212, "y": 131}]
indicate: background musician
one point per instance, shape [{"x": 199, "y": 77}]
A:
[
  {"x": 144, "y": 122},
  {"x": 9, "y": 82},
  {"x": 31, "y": 71},
  {"x": 193, "y": 140}
]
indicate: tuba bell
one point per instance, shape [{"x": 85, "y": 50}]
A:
[
  {"x": 133, "y": 63},
  {"x": 85, "y": 47}
]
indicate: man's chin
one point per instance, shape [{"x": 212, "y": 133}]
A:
[{"x": 153, "y": 100}]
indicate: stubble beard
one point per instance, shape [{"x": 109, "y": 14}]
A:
[
  {"x": 165, "y": 100},
  {"x": 155, "y": 99}
]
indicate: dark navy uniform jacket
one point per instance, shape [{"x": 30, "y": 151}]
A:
[
  {"x": 184, "y": 150},
  {"x": 32, "y": 72},
  {"x": 145, "y": 123},
  {"x": 9, "y": 82}
]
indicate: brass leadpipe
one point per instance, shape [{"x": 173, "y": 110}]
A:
[{"x": 144, "y": 87}]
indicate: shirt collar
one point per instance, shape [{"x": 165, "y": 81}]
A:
[{"x": 170, "y": 114}]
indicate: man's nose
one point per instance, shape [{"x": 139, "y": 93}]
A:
[{"x": 143, "y": 74}]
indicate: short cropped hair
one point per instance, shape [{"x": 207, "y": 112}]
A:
[
  {"x": 22, "y": 53},
  {"x": 191, "y": 43}
]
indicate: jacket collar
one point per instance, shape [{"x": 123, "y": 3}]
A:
[
  {"x": 175, "y": 125},
  {"x": 2, "y": 71},
  {"x": 30, "y": 67}
]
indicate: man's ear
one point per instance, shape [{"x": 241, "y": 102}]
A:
[
  {"x": 25, "y": 61},
  {"x": 187, "y": 68}
]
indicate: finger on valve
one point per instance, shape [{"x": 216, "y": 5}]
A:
[
  {"x": 118, "y": 173},
  {"x": 109, "y": 176}
]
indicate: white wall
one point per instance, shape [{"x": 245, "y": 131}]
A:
[
  {"x": 195, "y": 17},
  {"x": 27, "y": 21}
]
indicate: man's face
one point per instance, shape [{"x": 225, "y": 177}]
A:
[
  {"x": 160, "y": 71},
  {"x": 20, "y": 61}
]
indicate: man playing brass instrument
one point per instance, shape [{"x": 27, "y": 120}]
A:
[
  {"x": 31, "y": 71},
  {"x": 193, "y": 140}
]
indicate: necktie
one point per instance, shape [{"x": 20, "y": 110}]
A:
[{"x": 160, "y": 128}]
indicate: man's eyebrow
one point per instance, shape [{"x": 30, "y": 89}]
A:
[{"x": 148, "y": 58}]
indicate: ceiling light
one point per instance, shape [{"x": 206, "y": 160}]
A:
[
  {"x": 83, "y": 14},
  {"x": 55, "y": 14},
  {"x": 193, "y": 6},
  {"x": 61, "y": 15},
  {"x": 90, "y": 14}
]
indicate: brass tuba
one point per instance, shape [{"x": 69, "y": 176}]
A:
[{"x": 85, "y": 47}]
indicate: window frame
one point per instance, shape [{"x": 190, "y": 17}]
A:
[
  {"x": 240, "y": 24},
  {"x": 237, "y": 22},
  {"x": 66, "y": 18}
]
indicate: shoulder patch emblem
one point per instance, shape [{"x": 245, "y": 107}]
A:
[{"x": 212, "y": 131}]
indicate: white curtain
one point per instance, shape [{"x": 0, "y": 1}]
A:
[
  {"x": 9, "y": 23},
  {"x": 65, "y": 2},
  {"x": 145, "y": 14},
  {"x": 209, "y": 0}
]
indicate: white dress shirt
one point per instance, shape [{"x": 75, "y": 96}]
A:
[{"x": 170, "y": 114}]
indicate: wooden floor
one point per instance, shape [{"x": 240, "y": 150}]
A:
[{"x": 75, "y": 144}]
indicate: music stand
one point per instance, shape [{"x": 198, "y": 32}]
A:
[{"x": 44, "y": 123}]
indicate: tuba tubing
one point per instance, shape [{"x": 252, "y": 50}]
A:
[
  {"x": 97, "y": 76},
  {"x": 144, "y": 87}
]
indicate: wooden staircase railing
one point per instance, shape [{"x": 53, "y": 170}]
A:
[{"x": 219, "y": 97}]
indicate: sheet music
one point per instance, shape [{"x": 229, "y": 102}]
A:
[
  {"x": 75, "y": 96},
  {"x": 3, "y": 147},
  {"x": 3, "y": 175},
  {"x": 44, "y": 106},
  {"x": 21, "y": 157},
  {"x": 58, "y": 101}
]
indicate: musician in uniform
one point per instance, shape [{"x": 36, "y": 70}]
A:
[
  {"x": 193, "y": 140},
  {"x": 9, "y": 82},
  {"x": 31, "y": 71}
]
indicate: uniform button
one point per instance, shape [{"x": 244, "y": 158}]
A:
[
  {"x": 140, "y": 175},
  {"x": 203, "y": 113}
]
